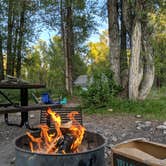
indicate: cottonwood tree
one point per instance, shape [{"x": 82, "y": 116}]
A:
[
  {"x": 141, "y": 69},
  {"x": 133, "y": 27}
]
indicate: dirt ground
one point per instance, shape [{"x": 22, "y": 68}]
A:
[{"x": 114, "y": 128}]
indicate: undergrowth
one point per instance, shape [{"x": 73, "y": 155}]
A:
[{"x": 154, "y": 107}]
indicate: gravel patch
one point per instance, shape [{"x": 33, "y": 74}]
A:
[{"x": 114, "y": 128}]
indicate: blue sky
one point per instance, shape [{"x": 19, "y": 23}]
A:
[
  {"x": 47, "y": 34},
  {"x": 103, "y": 25}
]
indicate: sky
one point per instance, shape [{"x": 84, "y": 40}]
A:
[
  {"x": 47, "y": 34},
  {"x": 103, "y": 25}
]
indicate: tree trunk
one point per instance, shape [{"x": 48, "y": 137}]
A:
[
  {"x": 114, "y": 45},
  {"x": 149, "y": 70},
  {"x": 123, "y": 53},
  {"x": 134, "y": 70},
  {"x": 67, "y": 38},
  {"x": 62, "y": 14},
  {"x": 141, "y": 74},
  {"x": 9, "y": 38},
  {"x": 15, "y": 49},
  {"x": 70, "y": 48},
  {"x": 127, "y": 15},
  {"x": 1, "y": 60},
  {"x": 20, "y": 40}
]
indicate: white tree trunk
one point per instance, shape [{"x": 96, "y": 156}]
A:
[
  {"x": 149, "y": 72},
  {"x": 134, "y": 71}
]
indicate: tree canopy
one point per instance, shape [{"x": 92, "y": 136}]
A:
[{"x": 132, "y": 47}]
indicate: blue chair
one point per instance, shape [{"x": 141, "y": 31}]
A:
[{"x": 46, "y": 99}]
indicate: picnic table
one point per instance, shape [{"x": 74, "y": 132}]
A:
[{"x": 23, "y": 87}]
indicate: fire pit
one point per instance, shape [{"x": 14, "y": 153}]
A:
[{"x": 62, "y": 146}]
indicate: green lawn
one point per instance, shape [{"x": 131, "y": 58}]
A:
[{"x": 154, "y": 107}]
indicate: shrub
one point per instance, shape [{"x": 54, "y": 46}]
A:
[{"x": 100, "y": 88}]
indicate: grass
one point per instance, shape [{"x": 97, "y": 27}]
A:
[
  {"x": 154, "y": 107},
  {"x": 14, "y": 95}
]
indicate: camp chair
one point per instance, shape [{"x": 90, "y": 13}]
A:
[{"x": 46, "y": 99}]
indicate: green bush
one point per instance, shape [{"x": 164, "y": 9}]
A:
[{"x": 101, "y": 87}]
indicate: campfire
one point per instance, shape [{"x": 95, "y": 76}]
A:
[
  {"x": 68, "y": 144},
  {"x": 64, "y": 138}
]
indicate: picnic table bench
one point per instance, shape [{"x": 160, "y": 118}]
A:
[
  {"x": 24, "y": 107},
  {"x": 13, "y": 107}
]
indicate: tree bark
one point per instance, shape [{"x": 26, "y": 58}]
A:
[
  {"x": 141, "y": 75},
  {"x": 127, "y": 15},
  {"x": 114, "y": 44},
  {"x": 20, "y": 40},
  {"x": 1, "y": 59},
  {"x": 149, "y": 69},
  {"x": 134, "y": 70},
  {"x": 9, "y": 38},
  {"x": 70, "y": 45},
  {"x": 62, "y": 14},
  {"x": 123, "y": 52},
  {"x": 14, "y": 49}
]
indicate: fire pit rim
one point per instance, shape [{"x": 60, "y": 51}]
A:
[{"x": 59, "y": 154}]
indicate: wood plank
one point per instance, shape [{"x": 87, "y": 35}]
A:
[{"x": 12, "y": 109}]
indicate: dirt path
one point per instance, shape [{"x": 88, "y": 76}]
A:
[{"x": 115, "y": 129}]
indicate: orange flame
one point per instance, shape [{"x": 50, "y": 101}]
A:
[
  {"x": 77, "y": 131},
  {"x": 48, "y": 142}
]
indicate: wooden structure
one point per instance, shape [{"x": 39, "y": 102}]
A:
[{"x": 23, "y": 107}]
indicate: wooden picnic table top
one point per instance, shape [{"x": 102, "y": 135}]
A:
[{"x": 21, "y": 85}]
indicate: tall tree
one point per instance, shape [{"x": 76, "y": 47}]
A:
[
  {"x": 74, "y": 20},
  {"x": 18, "y": 30},
  {"x": 123, "y": 50},
  {"x": 10, "y": 36},
  {"x": 135, "y": 70},
  {"x": 114, "y": 40},
  {"x": 135, "y": 36},
  {"x": 2, "y": 13},
  {"x": 141, "y": 75},
  {"x": 21, "y": 35},
  {"x": 68, "y": 42}
]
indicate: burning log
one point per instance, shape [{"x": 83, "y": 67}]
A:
[
  {"x": 67, "y": 125},
  {"x": 65, "y": 143},
  {"x": 66, "y": 138}
]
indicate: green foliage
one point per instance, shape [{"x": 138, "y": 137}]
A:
[
  {"x": 45, "y": 64},
  {"x": 154, "y": 107},
  {"x": 84, "y": 22},
  {"x": 158, "y": 20},
  {"x": 100, "y": 89},
  {"x": 79, "y": 67},
  {"x": 98, "y": 53}
]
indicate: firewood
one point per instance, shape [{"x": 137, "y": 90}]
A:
[
  {"x": 67, "y": 125},
  {"x": 64, "y": 144}
]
